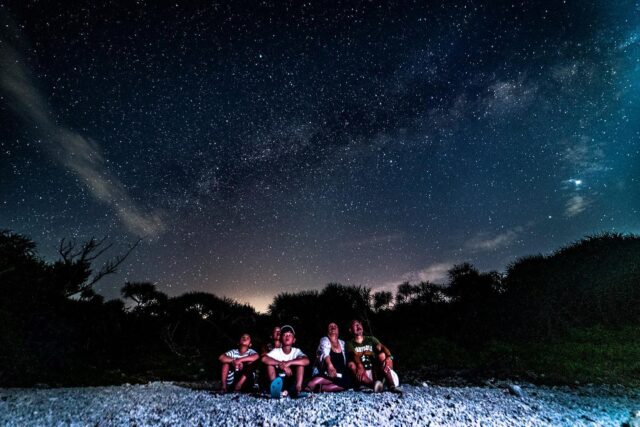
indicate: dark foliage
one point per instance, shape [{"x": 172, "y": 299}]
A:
[
  {"x": 594, "y": 281},
  {"x": 54, "y": 328}
]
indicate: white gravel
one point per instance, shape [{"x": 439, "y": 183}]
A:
[{"x": 168, "y": 404}]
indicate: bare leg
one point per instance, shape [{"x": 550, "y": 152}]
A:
[
  {"x": 387, "y": 375},
  {"x": 317, "y": 381},
  {"x": 365, "y": 380},
  {"x": 331, "y": 387},
  {"x": 246, "y": 371},
  {"x": 240, "y": 383},
  {"x": 314, "y": 382},
  {"x": 225, "y": 372},
  {"x": 271, "y": 372},
  {"x": 299, "y": 374}
]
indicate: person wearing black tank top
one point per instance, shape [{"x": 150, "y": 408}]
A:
[{"x": 331, "y": 364}]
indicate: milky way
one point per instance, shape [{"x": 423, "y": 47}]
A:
[{"x": 278, "y": 146}]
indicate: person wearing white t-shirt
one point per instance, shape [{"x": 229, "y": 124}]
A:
[
  {"x": 238, "y": 366},
  {"x": 285, "y": 365}
]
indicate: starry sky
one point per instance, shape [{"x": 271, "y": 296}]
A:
[{"x": 277, "y": 146}]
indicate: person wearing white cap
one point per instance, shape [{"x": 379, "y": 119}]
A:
[{"x": 285, "y": 365}]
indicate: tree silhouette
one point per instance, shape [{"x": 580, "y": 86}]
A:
[
  {"x": 382, "y": 300},
  {"x": 343, "y": 303},
  {"x": 47, "y": 336},
  {"x": 74, "y": 269},
  {"x": 430, "y": 294},
  {"x": 406, "y": 293},
  {"x": 199, "y": 323},
  {"x": 47, "y": 333},
  {"x": 145, "y": 295}
]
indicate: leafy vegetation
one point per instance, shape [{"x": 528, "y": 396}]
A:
[{"x": 569, "y": 316}]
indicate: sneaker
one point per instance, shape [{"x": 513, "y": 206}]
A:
[
  {"x": 276, "y": 388},
  {"x": 395, "y": 390},
  {"x": 378, "y": 387}
]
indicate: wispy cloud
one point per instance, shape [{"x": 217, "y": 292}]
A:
[
  {"x": 576, "y": 205},
  {"x": 487, "y": 242},
  {"x": 586, "y": 158},
  {"x": 508, "y": 96},
  {"x": 434, "y": 273},
  {"x": 75, "y": 152},
  {"x": 586, "y": 155},
  {"x": 500, "y": 98}
]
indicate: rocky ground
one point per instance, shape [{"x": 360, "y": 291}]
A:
[{"x": 495, "y": 404}]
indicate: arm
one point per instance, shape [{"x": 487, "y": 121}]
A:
[
  {"x": 250, "y": 359},
  {"x": 225, "y": 359},
  {"x": 269, "y": 361},
  {"x": 302, "y": 360},
  {"x": 324, "y": 348},
  {"x": 380, "y": 348},
  {"x": 385, "y": 356},
  {"x": 354, "y": 358},
  {"x": 360, "y": 372},
  {"x": 331, "y": 370}
]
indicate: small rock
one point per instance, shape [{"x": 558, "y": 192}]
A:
[
  {"x": 634, "y": 420},
  {"x": 516, "y": 390}
]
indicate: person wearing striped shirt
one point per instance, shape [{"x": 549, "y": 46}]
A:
[{"x": 238, "y": 366}]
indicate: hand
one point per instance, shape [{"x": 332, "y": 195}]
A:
[
  {"x": 285, "y": 368},
  {"x": 361, "y": 374},
  {"x": 331, "y": 371},
  {"x": 238, "y": 365},
  {"x": 388, "y": 365}
]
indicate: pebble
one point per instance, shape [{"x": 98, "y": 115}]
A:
[
  {"x": 516, "y": 390},
  {"x": 162, "y": 403}
]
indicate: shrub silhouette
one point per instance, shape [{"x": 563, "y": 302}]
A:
[
  {"x": 593, "y": 281},
  {"x": 382, "y": 300},
  {"x": 55, "y": 328}
]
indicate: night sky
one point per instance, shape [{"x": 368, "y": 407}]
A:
[{"x": 266, "y": 147}]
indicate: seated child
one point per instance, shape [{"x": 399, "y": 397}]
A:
[
  {"x": 238, "y": 366},
  {"x": 285, "y": 365}
]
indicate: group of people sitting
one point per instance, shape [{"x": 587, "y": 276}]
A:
[{"x": 361, "y": 362}]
